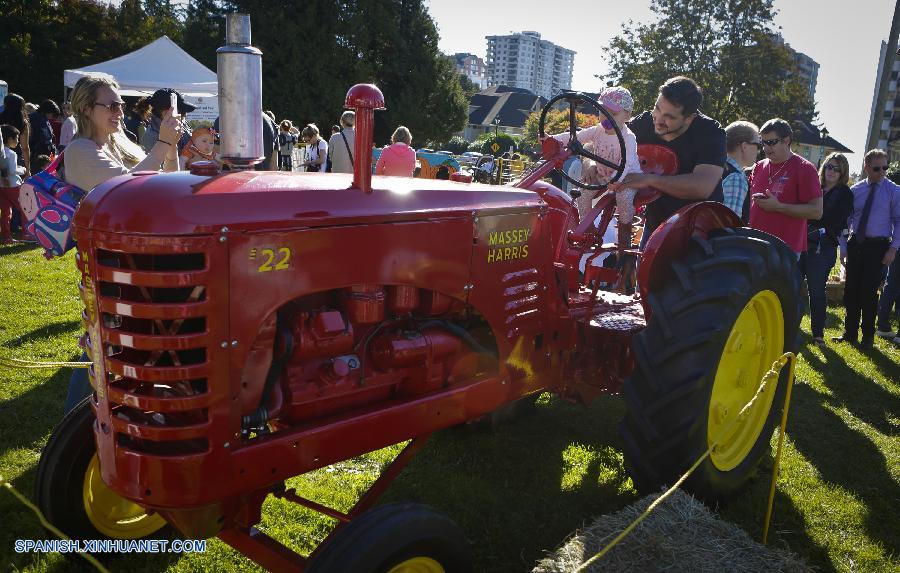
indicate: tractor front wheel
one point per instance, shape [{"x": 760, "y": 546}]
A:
[
  {"x": 71, "y": 493},
  {"x": 729, "y": 310},
  {"x": 396, "y": 538}
]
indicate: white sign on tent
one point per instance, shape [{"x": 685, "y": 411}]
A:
[{"x": 207, "y": 108}]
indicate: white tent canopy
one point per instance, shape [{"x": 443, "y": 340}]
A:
[{"x": 159, "y": 64}]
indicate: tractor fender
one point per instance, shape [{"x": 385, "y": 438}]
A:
[{"x": 671, "y": 240}]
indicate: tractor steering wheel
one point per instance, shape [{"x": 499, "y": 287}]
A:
[{"x": 576, "y": 146}]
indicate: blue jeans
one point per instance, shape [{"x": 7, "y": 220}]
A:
[
  {"x": 889, "y": 296},
  {"x": 815, "y": 264},
  {"x": 79, "y": 386}
]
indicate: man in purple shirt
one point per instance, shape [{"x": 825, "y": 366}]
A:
[{"x": 874, "y": 238}]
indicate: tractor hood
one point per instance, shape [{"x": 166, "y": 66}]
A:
[{"x": 182, "y": 203}]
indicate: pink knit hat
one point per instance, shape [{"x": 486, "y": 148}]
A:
[{"x": 617, "y": 98}]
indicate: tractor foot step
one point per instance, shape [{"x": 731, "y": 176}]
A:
[{"x": 608, "y": 311}]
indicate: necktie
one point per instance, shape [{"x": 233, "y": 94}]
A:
[{"x": 864, "y": 218}]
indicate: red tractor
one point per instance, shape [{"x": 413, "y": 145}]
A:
[{"x": 248, "y": 327}]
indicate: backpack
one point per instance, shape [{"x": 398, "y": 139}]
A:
[{"x": 49, "y": 204}]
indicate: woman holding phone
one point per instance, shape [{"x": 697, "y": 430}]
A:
[{"x": 100, "y": 152}]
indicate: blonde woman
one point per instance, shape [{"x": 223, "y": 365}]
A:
[
  {"x": 101, "y": 150},
  {"x": 398, "y": 158}
]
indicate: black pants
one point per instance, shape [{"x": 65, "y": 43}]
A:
[
  {"x": 864, "y": 273},
  {"x": 285, "y": 163}
]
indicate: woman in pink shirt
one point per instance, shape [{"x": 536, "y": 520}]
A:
[{"x": 398, "y": 158}]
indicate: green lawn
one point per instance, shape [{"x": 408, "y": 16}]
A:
[{"x": 520, "y": 491}]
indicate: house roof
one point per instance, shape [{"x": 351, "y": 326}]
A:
[
  {"x": 806, "y": 133},
  {"x": 511, "y": 105}
]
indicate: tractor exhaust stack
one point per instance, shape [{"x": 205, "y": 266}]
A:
[
  {"x": 365, "y": 99},
  {"x": 239, "y": 69}
]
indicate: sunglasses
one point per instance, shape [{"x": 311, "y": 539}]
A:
[
  {"x": 877, "y": 168},
  {"x": 834, "y": 168},
  {"x": 114, "y": 107},
  {"x": 771, "y": 142},
  {"x": 756, "y": 143}
]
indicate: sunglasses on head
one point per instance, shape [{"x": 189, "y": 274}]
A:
[
  {"x": 830, "y": 167},
  {"x": 771, "y": 142},
  {"x": 877, "y": 168}
]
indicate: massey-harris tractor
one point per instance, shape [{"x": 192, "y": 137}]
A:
[{"x": 247, "y": 327}]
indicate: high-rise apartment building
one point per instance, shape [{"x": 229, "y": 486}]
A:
[
  {"x": 472, "y": 67},
  {"x": 807, "y": 68},
  {"x": 887, "y": 118},
  {"x": 525, "y": 61}
]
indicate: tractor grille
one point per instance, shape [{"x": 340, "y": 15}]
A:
[
  {"x": 522, "y": 302},
  {"x": 148, "y": 313}
]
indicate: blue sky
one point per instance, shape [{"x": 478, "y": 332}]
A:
[{"x": 844, "y": 37}]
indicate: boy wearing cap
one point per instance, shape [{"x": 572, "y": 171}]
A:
[{"x": 161, "y": 108}]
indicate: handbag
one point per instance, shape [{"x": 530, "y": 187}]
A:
[{"x": 49, "y": 204}]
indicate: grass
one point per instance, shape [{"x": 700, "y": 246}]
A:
[{"x": 519, "y": 492}]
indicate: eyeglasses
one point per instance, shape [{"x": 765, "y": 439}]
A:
[
  {"x": 877, "y": 168},
  {"x": 771, "y": 142},
  {"x": 114, "y": 107},
  {"x": 756, "y": 143},
  {"x": 830, "y": 167}
]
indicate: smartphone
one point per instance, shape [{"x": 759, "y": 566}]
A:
[{"x": 173, "y": 100}]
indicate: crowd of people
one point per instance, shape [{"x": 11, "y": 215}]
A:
[
  {"x": 104, "y": 137},
  {"x": 815, "y": 212}
]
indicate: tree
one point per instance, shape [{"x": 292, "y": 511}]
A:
[
  {"x": 468, "y": 87},
  {"x": 729, "y": 47},
  {"x": 204, "y": 30},
  {"x": 307, "y": 69},
  {"x": 456, "y": 145},
  {"x": 397, "y": 41},
  {"x": 557, "y": 121}
]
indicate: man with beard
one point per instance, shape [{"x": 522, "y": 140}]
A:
[{"x": 692, "y": 144}]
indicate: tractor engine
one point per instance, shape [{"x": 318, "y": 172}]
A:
[{"x": 355, "y": 346}]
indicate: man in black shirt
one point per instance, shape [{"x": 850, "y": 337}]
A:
[{"x": 692, "y": 144}]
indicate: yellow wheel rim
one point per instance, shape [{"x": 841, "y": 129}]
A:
[
  {"x": 755, "y": 342},
  {"x": 418, "y": 565},
  {"x": 113, "y": 515}
]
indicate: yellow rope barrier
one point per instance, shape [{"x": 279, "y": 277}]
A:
[
  {"x": 26, "y": 364},
  {"x": 767, "y": 377},
  {"x": 87, "y": 556}
]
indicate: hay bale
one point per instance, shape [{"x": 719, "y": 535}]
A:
[
  {"x": 834, "y": 292},
  {"x": 682, "y": 534}
]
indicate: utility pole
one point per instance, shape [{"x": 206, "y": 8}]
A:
[{"x": 886, "y": 72}]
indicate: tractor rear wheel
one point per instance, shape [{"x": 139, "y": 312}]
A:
[
  {"x": 396, "y": 538},
  {"x": 72, "y": 495},
  {"x": 730, "y": 309}
]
